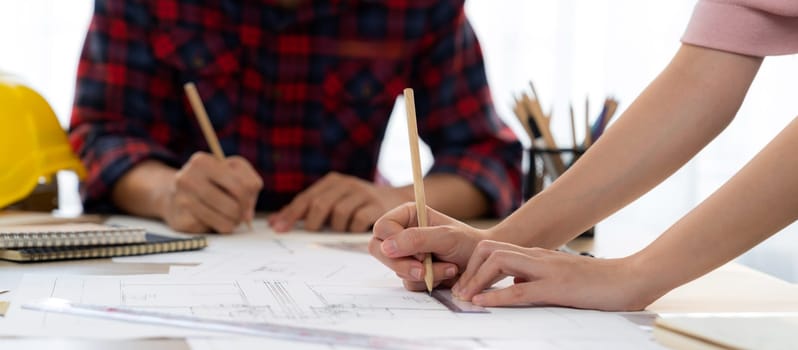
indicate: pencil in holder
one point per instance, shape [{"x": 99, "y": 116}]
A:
[{"x": 541, "y": 171}]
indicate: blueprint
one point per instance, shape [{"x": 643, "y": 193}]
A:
[
  {"x": 321, "y": 281},
  {"x": 375, "y": 310}
]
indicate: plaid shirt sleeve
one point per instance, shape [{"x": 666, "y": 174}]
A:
[
  {"x": 456, "y": 115},
  {"x": 116, "y": 66}
]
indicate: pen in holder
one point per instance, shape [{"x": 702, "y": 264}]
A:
[
  {"x": 546, "y": 160},
  {"x": 541, "y": 171}
]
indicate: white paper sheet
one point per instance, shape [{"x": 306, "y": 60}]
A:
[
  {"x": 263, "y": 253},
  {"x": 292, "y": 259},
  {"x": 375, "y": 310},
  {"x": 262, "y": 241},
  {"x": 326, "y": 281}
]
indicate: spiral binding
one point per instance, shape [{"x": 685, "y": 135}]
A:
[{"x": 70, "y": 235}]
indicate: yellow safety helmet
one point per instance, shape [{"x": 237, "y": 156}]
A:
[{"x": 33, "y": 145}]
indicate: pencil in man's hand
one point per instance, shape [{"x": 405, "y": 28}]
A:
[
  {"x": 205, "y": 124},
  {"x": 418, "y": 181}
]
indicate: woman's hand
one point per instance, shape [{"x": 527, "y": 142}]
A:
[
  {"x": 546, "y": 277},
  {"x": 401, "y": 245}
]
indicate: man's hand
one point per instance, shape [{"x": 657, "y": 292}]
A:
[
  {"x": 211, "y": 194},
  {"x": 207, "y": 194},
  {"x": 401, "y": 245},
  {"x": 345, "y": 202}
]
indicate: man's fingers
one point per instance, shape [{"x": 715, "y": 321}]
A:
[
  {"x": 299, "y": 207},
  {"x": 342, "y": 211},
  {"x": 217, "y": 172},
  {"x": 226, "y": 178},
  {"x": 250, "y": 181},
  {"x": 221, "y": 202},
  {"x": 183, "y": 219},
  {"x": 210, "y": 217},
  {"x": 201, "y": 188},
  {"x": 287, "y": 217},
  {"x": 364, "y": 218},
  {"x": 218, "y": 185},
  {"x": 321, "y": 206}
]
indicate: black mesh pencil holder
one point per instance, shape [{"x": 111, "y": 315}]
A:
[{"x": 541, "y": 171}]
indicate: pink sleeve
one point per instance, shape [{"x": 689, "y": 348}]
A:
[{"x": 748, "y": 27}]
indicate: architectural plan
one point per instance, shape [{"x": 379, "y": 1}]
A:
[
  {"x": 321, "y": 281},
  {"x": 357, "y": 308}
]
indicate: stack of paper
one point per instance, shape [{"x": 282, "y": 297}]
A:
[{"x": 318, "y": 281}]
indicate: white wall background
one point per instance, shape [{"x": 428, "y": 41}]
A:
[
  {"x": 569, "y": 48},
  {"x": 40, "y": 42}
]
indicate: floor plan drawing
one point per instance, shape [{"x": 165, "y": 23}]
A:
[
  {"x": 314, "y": 283},
  {"x": 375, "y": 310}
]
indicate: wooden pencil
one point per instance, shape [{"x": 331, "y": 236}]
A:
[
  {"x": 520, "y": 112},
  {"x": 542, "y": 122},
  {"x": 418, "y": 181},
  {"x": 205, "y": 124},
  {"x": 536, "y": 108}
]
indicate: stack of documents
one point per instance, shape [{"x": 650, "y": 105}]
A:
[{"x": 289, "y": 290}]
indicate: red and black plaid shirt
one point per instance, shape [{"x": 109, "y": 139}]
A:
[{"x": 298, "y": 88}]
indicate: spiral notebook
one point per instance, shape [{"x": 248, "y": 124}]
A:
[
  {"x": 154, "y": 243},
  {"x": 60, "y": 235}
]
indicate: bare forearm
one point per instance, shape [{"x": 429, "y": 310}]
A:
[
  {"x": 141, "y": 190},
  {"x": 665, "y": 126},
  {"x": 756, "y": 203},
  {"x": 452, "y": 195}
]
